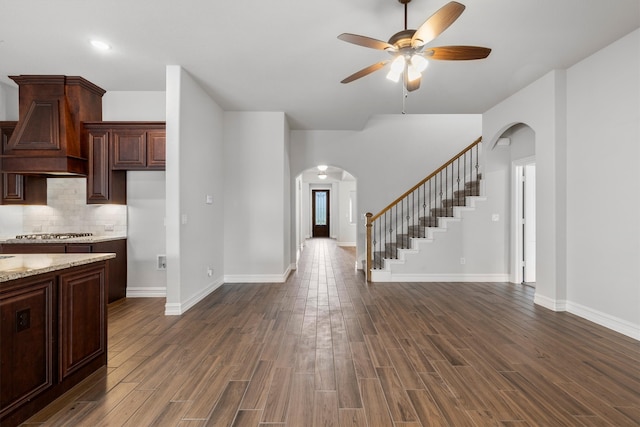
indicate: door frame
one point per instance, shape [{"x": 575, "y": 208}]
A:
[
  {"x": 313, "y": 212},
  {"x": 517, "y": 232}
]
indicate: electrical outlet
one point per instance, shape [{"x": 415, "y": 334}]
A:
[
  {"x": 463, "y": 261},
  {"x": 209, "y": 271},
  {"x": 161, "y": 262}
]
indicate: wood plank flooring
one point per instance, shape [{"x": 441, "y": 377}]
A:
[{"x": 327, "y": 349}]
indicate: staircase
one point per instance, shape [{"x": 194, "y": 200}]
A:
[{"x": 424, "y": 210}]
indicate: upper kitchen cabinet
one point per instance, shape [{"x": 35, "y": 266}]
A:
[
  {"x": 47, "y": 137},
  {"x": 104, "y": 185},
  {"x": 116, "y": 147},
  {"x": 16, "y": 189},
  {"x": 138, "y": 145}
]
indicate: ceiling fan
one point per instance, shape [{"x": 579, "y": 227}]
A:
[{"x": 409, "y": 47}]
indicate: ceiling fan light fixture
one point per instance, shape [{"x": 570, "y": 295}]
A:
[
  {"x": 419, "y": 62},
  {"x": 394, "y": 76},
  {"x": 397, "y": 65},
  {"x": 322, "y": 168},
  {"x": 412, "y": 73}
]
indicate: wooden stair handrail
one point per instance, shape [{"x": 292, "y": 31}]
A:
[
  {"x": 415, "y": 187},
  {"x": 370, "y": 217}
]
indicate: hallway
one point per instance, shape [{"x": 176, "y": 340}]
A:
[{"x": 327, "y": 349}]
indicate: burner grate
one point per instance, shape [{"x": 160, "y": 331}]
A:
[{"x": 52, "y": 236}]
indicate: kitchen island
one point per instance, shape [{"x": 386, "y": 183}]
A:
[{"x": 53, "y": 327}]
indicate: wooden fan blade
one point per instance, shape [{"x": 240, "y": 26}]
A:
[
  {"x": 437, "y": 23},
  {"x": 365, "y": 71},
  {"x": 365, "y": 41},
  {"x": 457, "y": 53},
  {"x": 413, "y": 85}
]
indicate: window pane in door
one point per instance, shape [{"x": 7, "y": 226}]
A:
[{"x": 321, "y": 208}]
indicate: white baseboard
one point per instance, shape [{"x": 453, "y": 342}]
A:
[
  {"x": 383, "y": 276},
  {"x": 146, "y": 292},
  {"x": 603, "y": 319},
  {"x": 550, "y": 303},
  {"x": 259, "y": 278},
  {"x": 346, "y": 243},
  {"x": 177, "y": 309}
]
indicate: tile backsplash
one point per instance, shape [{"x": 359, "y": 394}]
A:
[{"x": 67, "y": 211}]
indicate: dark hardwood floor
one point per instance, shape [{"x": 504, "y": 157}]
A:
[{"x": 326, "y": 349}]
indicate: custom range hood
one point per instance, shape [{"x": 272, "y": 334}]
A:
[{"x": 47, "y": 138}]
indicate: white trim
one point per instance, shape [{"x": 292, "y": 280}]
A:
[
  {"x": 616, "y": 324},
  {"x": 380, "y": 276},
  {"x": 517, "y": 167},
  {"x": 260, "y": 278},
  {"x": 146, "y": 291},
  {"x": 550, "y": 303},
  {"x": 346, "y": 243},
  {"x": 177, "y": 309},
  {"x": 603, "y": 319}
]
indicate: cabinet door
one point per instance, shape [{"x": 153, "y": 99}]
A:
[
  {"x": 98, "y": 177},
  {"x": 103, "y": 184},
  {"x": 129, "y": 149},
  {"x": 12, "y": 188},
  {"x": 117, "y": 285},
  {"x": 26, "y": 334},
  {"x": 82, "y": 317},
  {"x": 156, "y": 149}
]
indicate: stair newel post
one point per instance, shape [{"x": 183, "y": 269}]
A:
[{"x": 368, "y": 215}]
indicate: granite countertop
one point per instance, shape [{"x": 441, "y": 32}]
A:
[
  {"x": 18, "y": 266},
  {"x": 87, "y": 239}
]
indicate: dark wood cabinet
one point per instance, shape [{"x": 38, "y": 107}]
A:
[
  {"x": 138, "y": 145},
  {"x": 19, "y": 189},
  {"x": 83, "y": 328},
  {"x": 116, "y": 147},
  {"x": 26, "y": 328},
  {"x": 104, "y": 185},
  {"x": 117, "y": 285},
  {"x": 53, "y": 334},
  {"x": 156, "y": 149}
]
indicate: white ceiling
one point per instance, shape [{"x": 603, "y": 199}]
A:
[{"x": 283, "y": 55}]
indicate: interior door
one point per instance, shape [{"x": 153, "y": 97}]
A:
[{"x": 320, "y": 209}]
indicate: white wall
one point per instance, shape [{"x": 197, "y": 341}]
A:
[
  {"x": 257, "y": 210},
  {"x": 541, "y": 107},
  {"x": 346, "y": 228},
  {"x": 146, "y": 237},
  {"x": 8, "y": 102},
  {"x": 586, "y": 122},
  {"x": 10, "y": 216},
  {"x": 195, "y": 229},
  {"x": 603, "y": 189},
  {"x": 404, "y": 147}
]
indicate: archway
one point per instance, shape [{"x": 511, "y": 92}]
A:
[{"x": 341, "y": 188}]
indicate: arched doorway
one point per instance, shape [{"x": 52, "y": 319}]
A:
[{"x": 339, "y": 189}]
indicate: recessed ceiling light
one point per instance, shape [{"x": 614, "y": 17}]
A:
[{"x": 100, "y": 45}]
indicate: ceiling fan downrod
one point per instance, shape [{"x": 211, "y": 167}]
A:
[{"x": 405, "y": 3}]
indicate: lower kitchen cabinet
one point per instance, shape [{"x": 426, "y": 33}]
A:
[
  {"x": 117, "y": 285},
  {"x": 26, "y": 327},
  {"x": 82, "y": 328},
  {"x": 53, "y": 332}
]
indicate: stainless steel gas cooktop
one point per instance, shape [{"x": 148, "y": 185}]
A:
[{"x": 52, "y": 236}]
